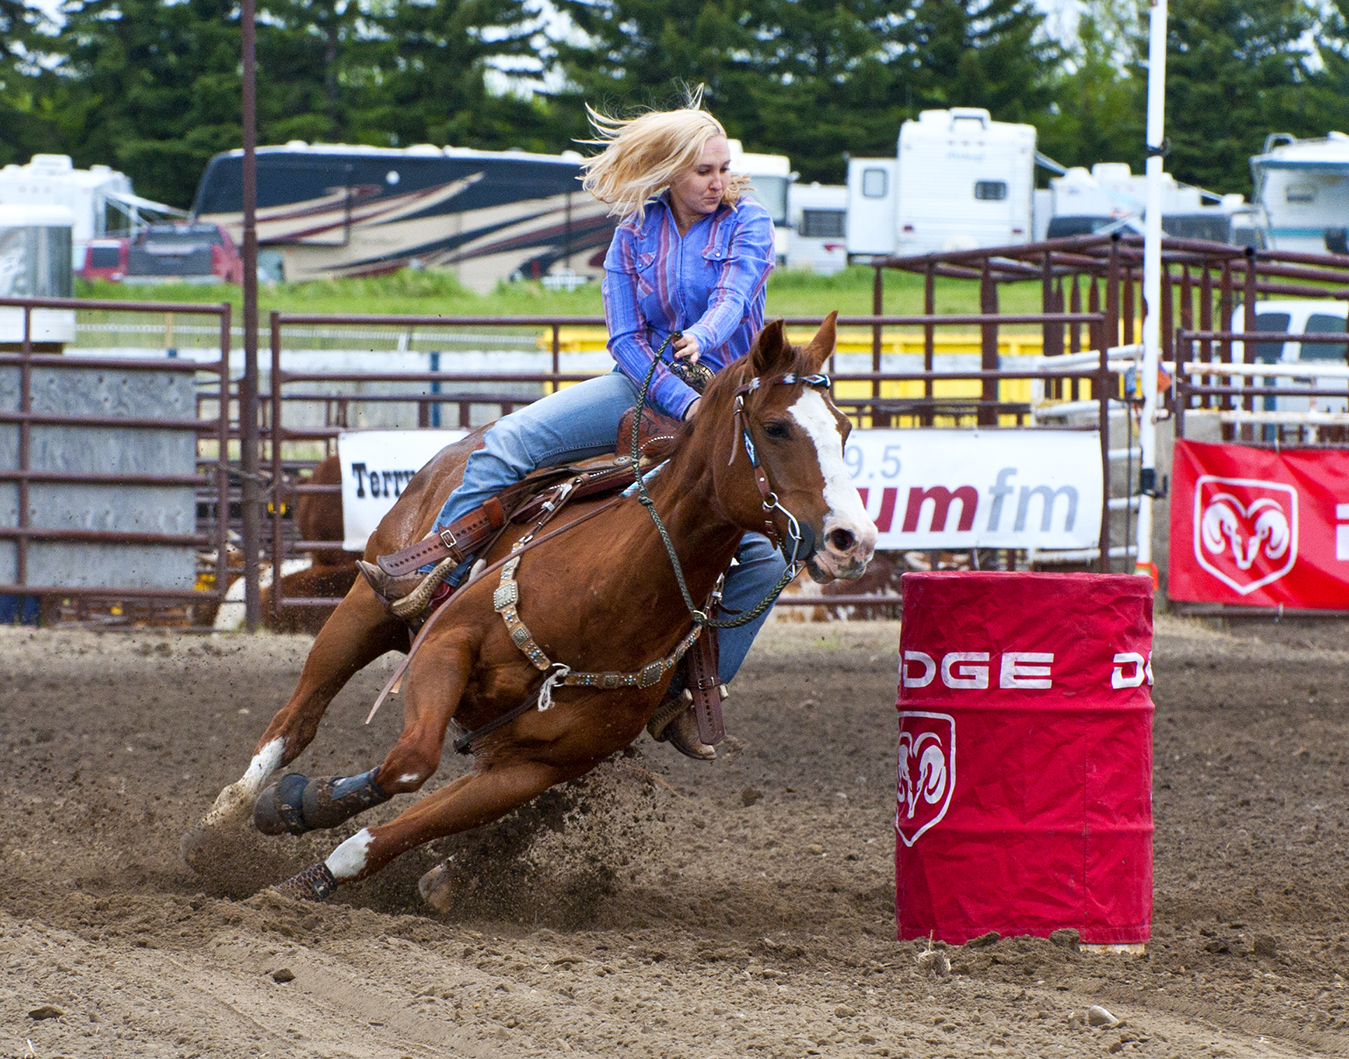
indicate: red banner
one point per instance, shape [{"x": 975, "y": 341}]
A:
[{"x": 1260, "y": 528}]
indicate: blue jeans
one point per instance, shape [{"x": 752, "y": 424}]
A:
[{"x": 574, "y": 424}]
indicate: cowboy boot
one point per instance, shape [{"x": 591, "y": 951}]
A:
[
  {"x": 387, "y": 586},
  {"x": 675, "y": 722}
]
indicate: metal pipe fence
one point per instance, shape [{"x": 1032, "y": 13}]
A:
[
  {"x": 213, "y": 486},
  {"x": 286, "y": 463}
]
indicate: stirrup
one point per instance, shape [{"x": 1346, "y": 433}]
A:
[{"x": 388, "y": 587}]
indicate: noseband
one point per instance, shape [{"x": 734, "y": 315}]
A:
[{"x": 802, "y": 538}]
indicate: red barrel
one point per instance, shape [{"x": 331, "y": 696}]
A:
[{"x": 1024, "y": 800}]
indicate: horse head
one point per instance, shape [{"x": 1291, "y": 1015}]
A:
[{"x": 784, "y": 466}]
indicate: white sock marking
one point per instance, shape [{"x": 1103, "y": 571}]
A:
[
  {"x": 409, "y": 777},
  {"x": 348, "y": 859},
  {"x": 238, "y": 797}
]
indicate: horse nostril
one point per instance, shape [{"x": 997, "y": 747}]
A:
[{"x": 842, "y": 540}]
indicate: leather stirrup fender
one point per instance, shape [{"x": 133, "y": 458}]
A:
[{"x": 705, "y": 686}]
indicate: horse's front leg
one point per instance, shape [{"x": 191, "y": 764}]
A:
[
  {"x": 297, "y": 804},
  {"x": 359, "y": 631}
]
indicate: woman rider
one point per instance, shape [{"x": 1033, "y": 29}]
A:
[{"x": 691, "y": 255}]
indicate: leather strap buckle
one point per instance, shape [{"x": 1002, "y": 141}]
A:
[{"x": 448, "y": 539}]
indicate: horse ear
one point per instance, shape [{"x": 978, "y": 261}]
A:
[
  {"x": 771, "y": 354},
  {"x": 822, "y": 346}
]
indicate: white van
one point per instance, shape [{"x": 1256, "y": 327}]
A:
[{"x": 1311, "y": 316}]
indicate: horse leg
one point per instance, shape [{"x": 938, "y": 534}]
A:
[
  {"x": 359, "y": 631},
  {"x": 470, "y": 801},
  {"x": 298, "y": 804}
]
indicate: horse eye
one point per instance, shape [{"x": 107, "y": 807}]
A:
[{"x": 776, "y": 430}]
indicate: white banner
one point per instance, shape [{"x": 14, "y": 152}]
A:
[
  {"x": 376, "y": 464},
  {"x": 963, "y": 489}
]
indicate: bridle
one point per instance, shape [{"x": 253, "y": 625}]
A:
[
  {"x": 799, "y": 535},
  {"x": 771, "y": 503}
]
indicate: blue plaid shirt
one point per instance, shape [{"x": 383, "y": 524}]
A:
[{"x": 708, "y": 284}]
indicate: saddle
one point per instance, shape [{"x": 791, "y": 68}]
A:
[{"x": 531, "y": 497}]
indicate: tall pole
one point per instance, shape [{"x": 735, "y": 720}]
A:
[
  {"x": 248, "y": 391},
  {"x": 1152, "y": 282}
]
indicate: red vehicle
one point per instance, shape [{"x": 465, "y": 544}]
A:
[
  {"x": 175, "y": 251},
  {"x": 104, "y": 259}
]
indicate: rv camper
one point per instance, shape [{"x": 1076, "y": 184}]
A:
[
  {"x": 35, "y": 263},
  {"x": 1111, "y": 196},
  {"x": 100, "y": 199},
  {"x": 959, "y": 181},
  {"x": 328, "y": 210},
  {"x": 1303, "y": 188}
]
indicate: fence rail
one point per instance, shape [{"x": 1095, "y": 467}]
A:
[
  {"x": 287, "y": 446},
  {"x": 25, "y": 475}
]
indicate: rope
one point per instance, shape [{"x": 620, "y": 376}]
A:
[
  {"x": 412, "y": 604},
  {"x": 699, "y": 617}
]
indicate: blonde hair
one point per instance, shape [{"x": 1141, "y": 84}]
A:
[{"x": 642, "y": 156}]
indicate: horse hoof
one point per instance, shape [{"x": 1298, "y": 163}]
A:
[
  {"x": 279, "y": 809},
  {"x": 315, "y": 883},
  {"x": 434, "y": 887}
]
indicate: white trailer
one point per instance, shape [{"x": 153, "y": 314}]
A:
[
  {"x": 100, "y": 199},
  {"x": 819, "y": 221},
  {"x": 959, "y": 181},
  {"x": 770, "y": 178},
  {"x": 1303, "y": 187}
]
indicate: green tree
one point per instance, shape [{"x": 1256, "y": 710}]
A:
[
  {"x": 1236, "y": 71},
  {"x": 1098, "y": 113},
  {"x": 981, "y": 53},
  {"x": 24, "y": 36},
  {"x": 431, "y": 87}
]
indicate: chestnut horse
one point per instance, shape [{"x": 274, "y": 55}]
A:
[{"x": 600, "y": 597}]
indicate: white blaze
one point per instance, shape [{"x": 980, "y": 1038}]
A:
[
  {"x": 348, "y": 859},
  {"x": 845, "y": 505}
]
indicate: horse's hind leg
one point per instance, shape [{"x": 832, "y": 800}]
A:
[{"x": 359, "y": 631}]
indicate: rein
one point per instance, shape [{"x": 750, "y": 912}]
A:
[{"x": 770, "y": 498}]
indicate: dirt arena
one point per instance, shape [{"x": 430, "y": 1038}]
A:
[{"x": 661, "y": 907}]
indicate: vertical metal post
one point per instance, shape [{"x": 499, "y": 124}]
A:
[
  {"x": 988, "y": 346},
  {"x": 1206, "y": 322},
  {"x": 222, "y": 471},
  {"x": 1248, "y": 321},
  {"x": 877, "y": 308},
  {"x": 1156, "y": 316},
  {"x": 929, "y": 339},
  {"x": 25, "y": 445},
  {"x": 557, "y": 348},
  {"x": 248, "y": 392},
  {"x": 278, "y": 476}
]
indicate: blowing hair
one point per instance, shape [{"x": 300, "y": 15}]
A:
[{"x": 642, "y": 156}]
